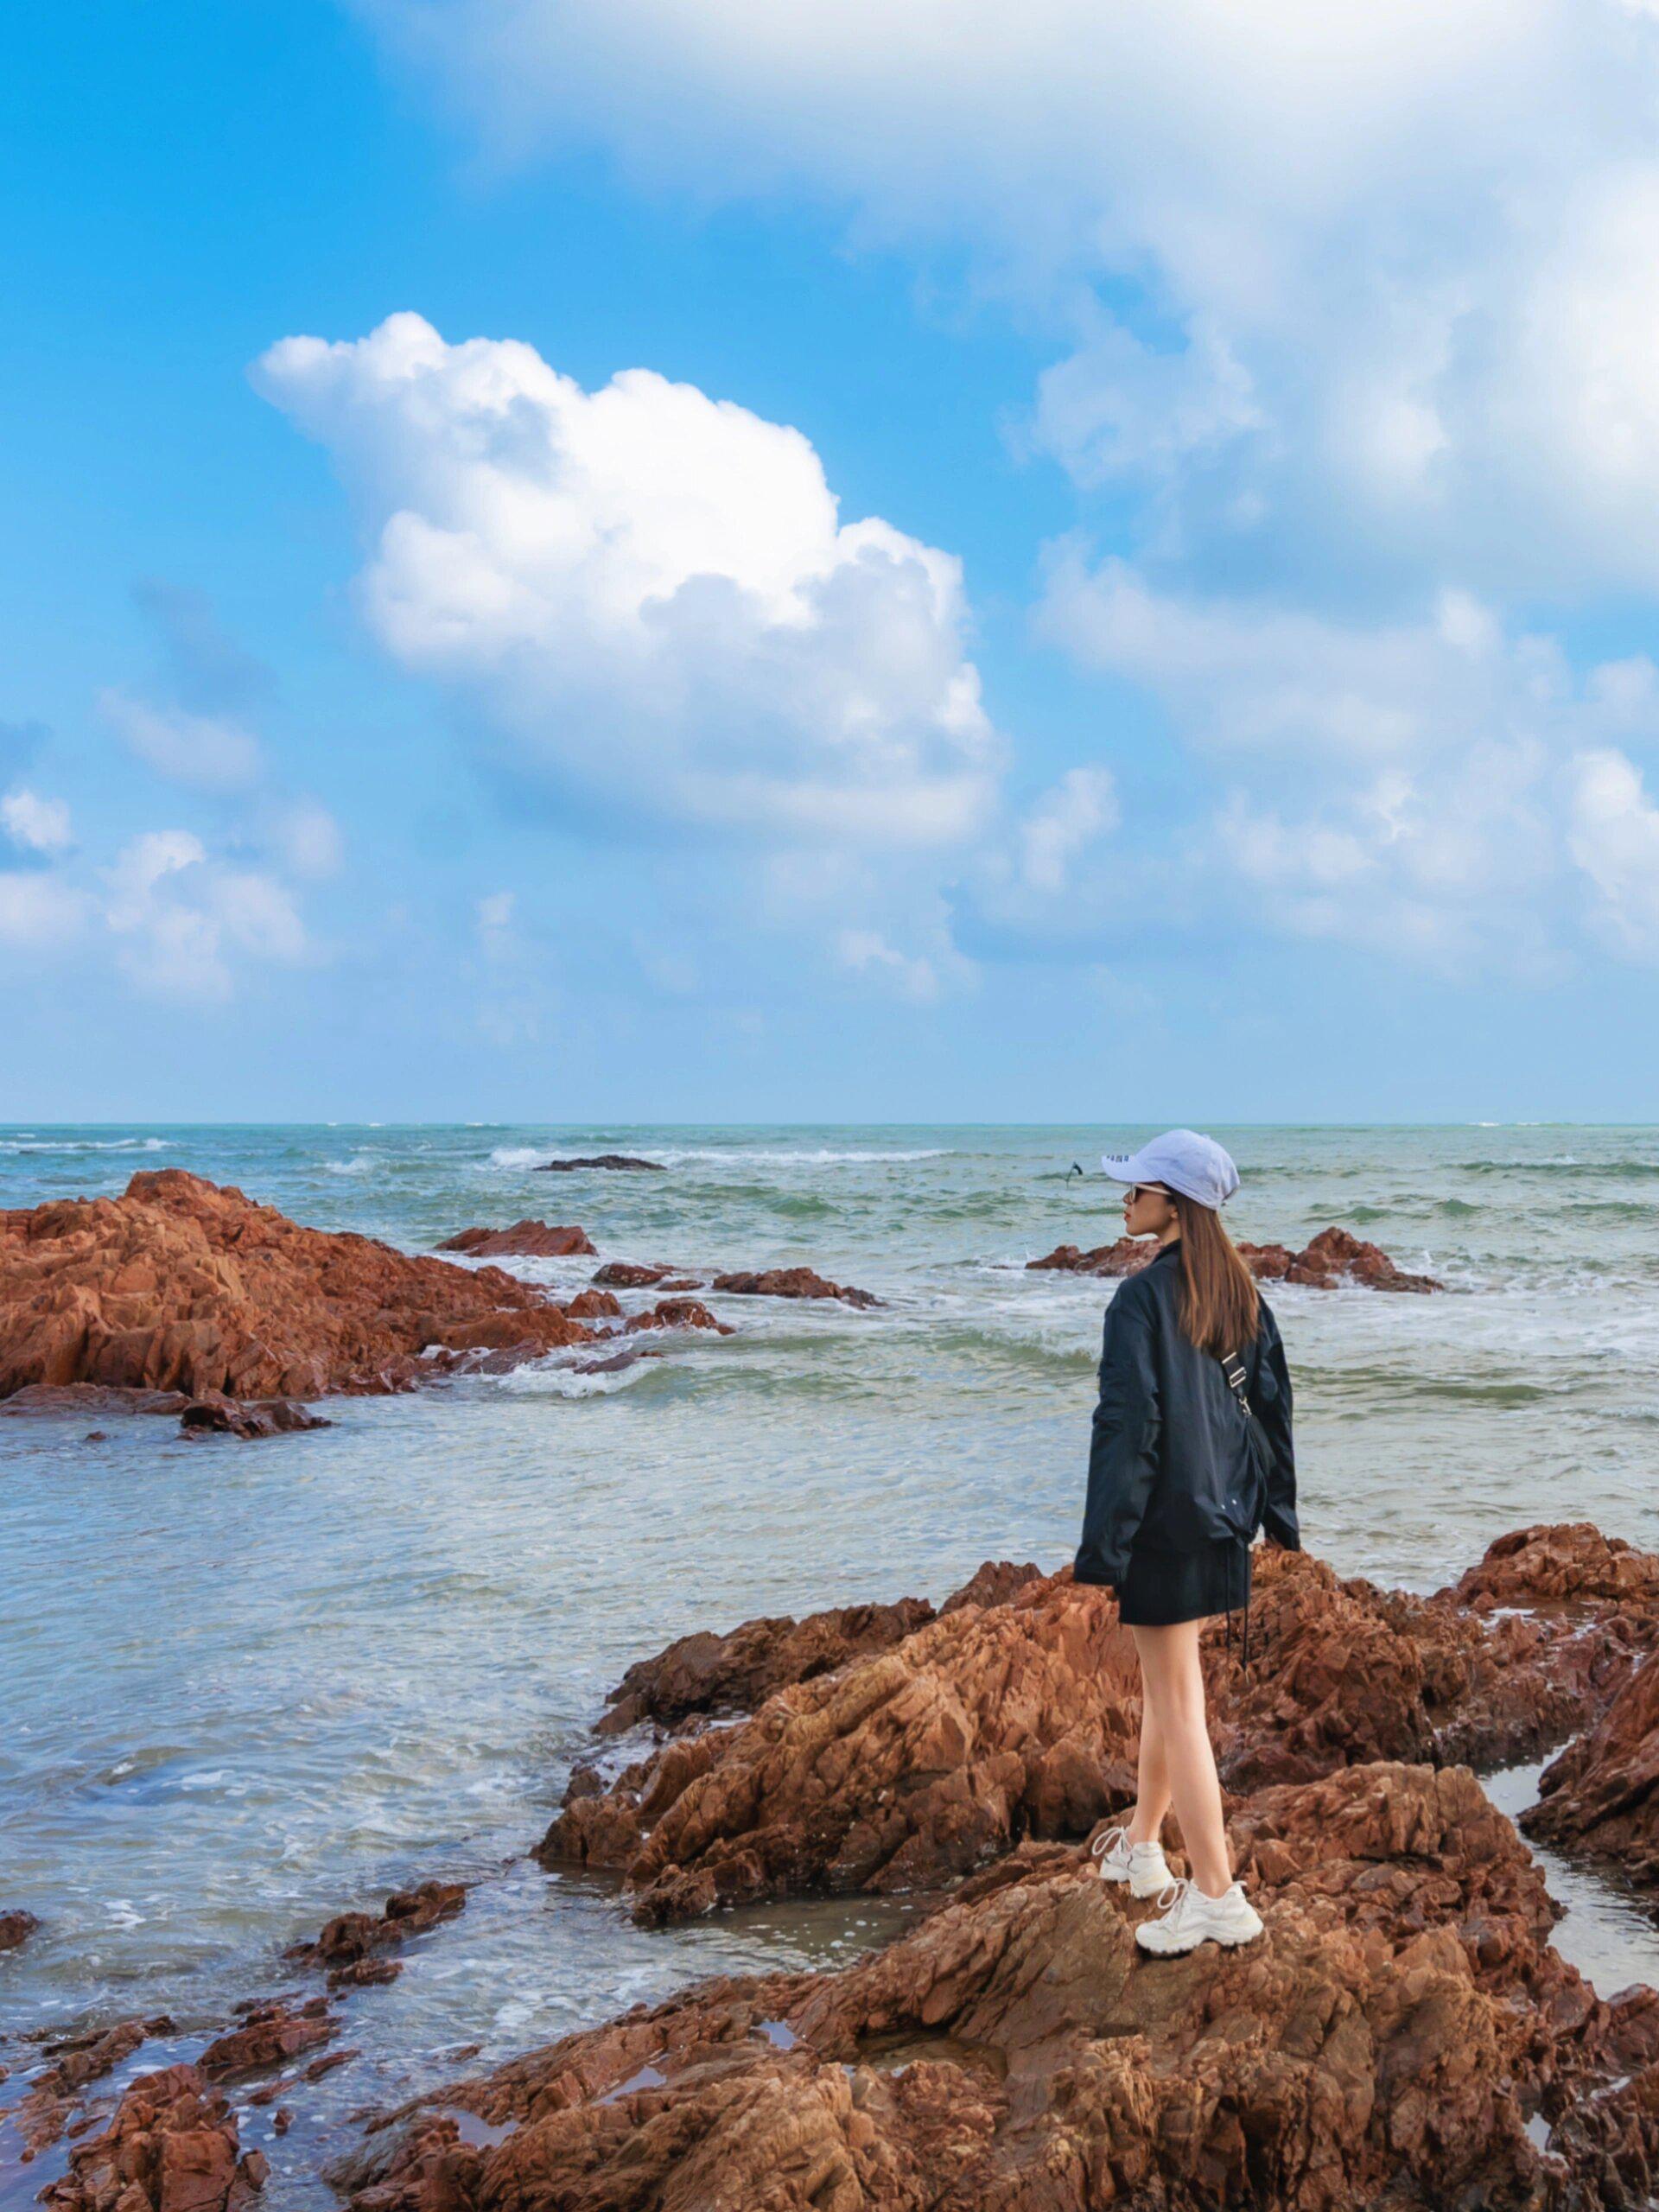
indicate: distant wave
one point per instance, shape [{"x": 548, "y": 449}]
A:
[
  {"x": 526, "y": 1155},
  {"x": 360, "y": 1164},
  {"x": 82, "y": 1144},
  {"x": 570, "y": 1382}
]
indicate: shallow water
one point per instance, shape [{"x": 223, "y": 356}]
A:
[{"x": 248, "y": 1686}]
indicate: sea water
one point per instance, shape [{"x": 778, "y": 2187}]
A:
[{"x": 244, "y": 1687}]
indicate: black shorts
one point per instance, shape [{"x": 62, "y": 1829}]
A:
[{"x": 1162, "y": 1587}]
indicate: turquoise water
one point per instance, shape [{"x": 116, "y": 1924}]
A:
[{"x": 245, "y": 1687}]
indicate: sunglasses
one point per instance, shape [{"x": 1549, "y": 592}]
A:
[{"x": 1143, "y": 1190}]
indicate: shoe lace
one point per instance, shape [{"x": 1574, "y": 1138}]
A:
[
  {"x": 1174, "y": 1894},
  {"x": 1107, "y": 1840}
]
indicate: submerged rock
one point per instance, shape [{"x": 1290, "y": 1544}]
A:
[
  {"x": 539, "y": 1240},
  {"x": 182, "y": 1285},
  {"x": 172, "y": 2146},
  {"x": 16, "y": 1928},
  {"x": 270, "y": 2034},
  {"x": 598, "y": 1159},
  {"x": 907, "y": 1761},
  {"x": 247, "y": 1418},
  {"x": 1383, "y": 2044},
  {"x": 792, "y": 1283},
  {"x": 1334, "y": 1256},
  {"x": 349, "y": 1942}
]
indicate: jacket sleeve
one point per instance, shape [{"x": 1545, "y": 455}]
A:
[
  {"x": 1272, "y": 1409},
  {"x": 1123, "y": 1449}
]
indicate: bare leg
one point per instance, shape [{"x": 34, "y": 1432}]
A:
[
  {"x": 1152, "y": 1802},
  {"x": 1173, "y": 1693}
]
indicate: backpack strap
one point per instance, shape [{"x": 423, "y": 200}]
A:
[{"x": 1233, "y": 1368}]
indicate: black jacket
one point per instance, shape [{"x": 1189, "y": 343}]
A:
[{"x": 1172, "y": 1464}]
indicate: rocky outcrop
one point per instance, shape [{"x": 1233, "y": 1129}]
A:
[
  {"x": 641, "y": 1274},
  {"x": 172, "y": 2146},
  {"x": 680, "y": 1313},
  {"x": 534, "y": 1240},
  {"x": 1601, "y": 1796},
  {"x": 182, "y": 1284},
  {"x": 620, "y": 1159},
  {"x": 1558, "y": 1563},
  {"x": 247, "y": 1418},
  {"x": 792, "y": 1283},
  {"x": 270, "y": 2034},
  {"x": 350, "y": 1945},
  {"x": 1017, "y": 1713},
  {"x": 1384, "y": 2045},
  {"x": 1334, "y": 1256}
]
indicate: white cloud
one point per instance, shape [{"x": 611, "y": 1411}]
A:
[
  {"x": 306, "y": 838},
  {"x": 1400, "y": 253},
  {"x": 1064, "y": 822},
  {"x": 649, "y": 592},
  {"x": 181, "y": 918},
  {"x": 1614, "y": 837},
  {"x": 34, "y": 825},
  {"x": 204, "y": 750},
  {"x": 866, "y": 950},
  {"x": 39, "y": 913}
]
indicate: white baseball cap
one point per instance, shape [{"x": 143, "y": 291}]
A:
[{"x": 1182, "y": 1160}]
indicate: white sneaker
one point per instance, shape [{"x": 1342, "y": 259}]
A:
[
  {"x": 1142, "y": 1866},
  {"x": 1190, "y": 1918}
]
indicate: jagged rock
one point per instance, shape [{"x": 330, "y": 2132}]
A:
[
  {"x": 349, "y": 1941},
  {"x": 173, "y": 2146},
  {"x": 1333, "y": 1256},
  {"x": 538, "y": 1240},
  {"x": 1556, "y": 1561},
  {"x": 1382, "y": 2046},
  {"x": 680, "y": 1313},
  {"x": 599, "y": 1159},
  {"x": 792, "y": 1283},
  {"x": 182, "y": 1284},
  {"x": 634, "y": 1274},
  {"x": 270, "y": 2035},
  {"x": 906, "y": 1766},
  {"x": 595, "y": 1305},
  {"x": 245, "y": 1418},
  {"x": 1601, "y": 1796},
  {"x": 16, "y": 1928}
]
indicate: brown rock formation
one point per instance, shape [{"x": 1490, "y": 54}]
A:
[
  {"x": 348, "y": 1943},
  {"x": 905, "y": 1765},
  {"x": 182, "y": 1284},
  {"x": 680, "y": 1313},
  {"x": 16, "y": 1928},
  {"x": 270, "y": 2035},
  {"x": 173, "y": 2146},
  {"x": 247, "y": 1418},
  {"x": 1556, "y": 1562},
  {"x": 792, "y": 1283},
  {"x": 1381, "y": 2047},
  {"x": 538, "y": 1240},
  {"x": 1334, "y": 1256},
  {"x": 635, "y": 1275},
  {"x": 599, "y": 1159},
  {"x": 1601, "y": 1796}
]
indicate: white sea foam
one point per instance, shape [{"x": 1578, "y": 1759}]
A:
[
  {"x": 28, "y": 1143},
  {"x": 360, "y": 1164},
  {"x": 537, "y": 1381},
  {"x": 514, "y": 1155}
]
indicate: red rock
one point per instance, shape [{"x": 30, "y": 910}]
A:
[
  {"x": 1601, "y": 1796},
  {"x": 245, "y": 1418},
  {"x": 629, "y": 1275},
  {"x": 1381, "y": 2047},
  {"x": 541, "y": 1240},
  {"x": 680, "y": 1313},
  {"x": 1558, "y": 1561},
  {"x": 792, "y": 1283},
  {"x": 349, "y": 1940},
  {"x": 615, "y": 1159},
  {"x": 595, "y": 1305},
  {"x": 16, "y": 1928},
  {"x": 270, "y": 2036},
  {"x": 907, "y": 1765},
  {"x": 1333, "y": 1256},
  {"x": 182, "y": 1284},
  {"x": 172, "y": 2146}
]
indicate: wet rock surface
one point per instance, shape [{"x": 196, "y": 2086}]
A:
[
  {"x": 541, "y": 1240},
  {"x": 173, "y": 2146},
  {"x": 1384, "y": 2044},
  {"x": 183, "y": 1285},
  {"x": 907, "y": 1760},
  {"x": 16, "y": 1928},
  {"x": 792, "y": 1283},
  {"x": 1334, "y": 1256},
  {"x": 270, "y": 2034},
  {"x": 1601, "y": 1796},
  {"x": 349, "y": 1944}
]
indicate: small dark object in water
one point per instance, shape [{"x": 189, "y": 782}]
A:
[{"x": 600, "y": 1159}]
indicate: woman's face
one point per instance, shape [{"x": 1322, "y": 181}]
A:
[{"x": 1147, "y": 1211}]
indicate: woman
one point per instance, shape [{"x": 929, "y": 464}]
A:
[{"x": 1191, "y": 1450}]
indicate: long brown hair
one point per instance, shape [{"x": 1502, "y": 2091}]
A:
[{"x": 1220, "y": 1305}]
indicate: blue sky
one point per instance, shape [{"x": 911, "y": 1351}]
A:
[{"x": 659, "y": 561}]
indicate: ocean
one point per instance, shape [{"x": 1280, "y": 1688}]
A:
[{"x": 248, "y": 1686}]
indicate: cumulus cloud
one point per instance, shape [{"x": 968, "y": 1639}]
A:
[
  {"x": 180, "y": 917},
  {"x": 32, "y": 824},
  {"x": 648, "y": 593},
  {"x": 1614, "y": 836},
  {"x": 1389, "y": 265}
]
